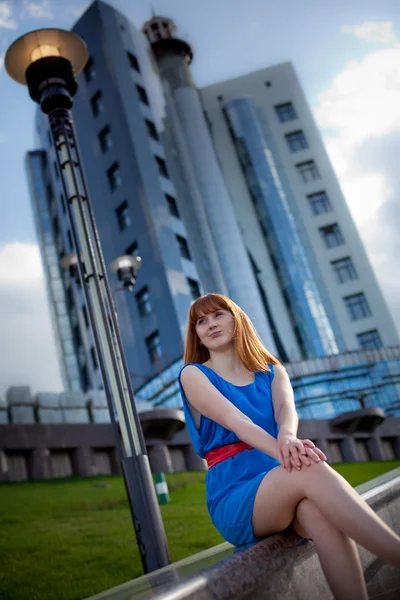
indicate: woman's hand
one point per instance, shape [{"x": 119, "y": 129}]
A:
[{"x": 296, "y": 453}]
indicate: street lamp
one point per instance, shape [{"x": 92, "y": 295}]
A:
[
  {"x": 126, "y": 267},
  {"x": 69, "y": 262},
  {"x": 47, "y": 61}
]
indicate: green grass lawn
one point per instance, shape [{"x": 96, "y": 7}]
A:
[{"x": 70, "y": 539}]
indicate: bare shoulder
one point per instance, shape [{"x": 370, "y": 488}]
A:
[
  {"x": 281, "y": 377},
  {"x": 280, "y": 371},
  {"x": 189, "y": 372}
]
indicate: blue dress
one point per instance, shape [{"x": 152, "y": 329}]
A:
[{"x": 232, "y": 484}]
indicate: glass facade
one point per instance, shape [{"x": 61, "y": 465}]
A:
[
  {"x": 327, "y": 387},
  {"x": 323, "y": 387},
  {"x": 43, "y": 200},
  {"x": 163, "y": 390},
  {"x": 305, "y": 306}
]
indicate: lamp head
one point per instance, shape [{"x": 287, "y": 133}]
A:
[
  {"x": 69, "y": 262},
  {"x": 126, "y": 267},
  {"x": 44, "y": 43},
  {"x": 47, "y": 61}
]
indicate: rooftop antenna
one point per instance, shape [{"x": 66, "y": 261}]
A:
[{"x": 153, "y": 12}]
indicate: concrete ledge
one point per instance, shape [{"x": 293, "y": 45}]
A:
[{"x": 277, "y": 567}]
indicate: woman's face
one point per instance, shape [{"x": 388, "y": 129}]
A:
[{"x": 215, "y": 330}]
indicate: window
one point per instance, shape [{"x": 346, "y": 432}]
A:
[
  {"x": 194, "y": 288},
  {"x": 133, "y": 62},
  {"x": 142, "y": 95},
  {"x": 123, "y": 217},
  {"x": 319, "y": 203},
  {"x": 370, "y": 340},
  {"x": 344, "y": 270},
  {"x": 133, "y": 249},
  {"x": 308, "y": 171},
  {"x": 183, "y": 247},
  {"x": 63, "y": 203},
  {"x": 332, "y": 235},
  {"x": 105, "y": 139},
  {"x": 143, "y": 302},
  {"x": 89, "y": 70},
  {"x": 152, "y": 131},
  {"x": 56, "y": 226},
  {"x": 97, "y": 103},
  {"x": 85, "y": 316},
  {"x": 85, "y": 378},
  {"x": 114, "y": 176},
  {"x": 94, "y": 358},
  {"x": 162, "y": 167},
  {"x": 56, "y": 170},
  {"x": 357, "y": 306},
  {"x": 154, "y": 347},
  {"x": 70, "y": 242},
  {"x": 172, "y": 207},
  {"x": 285, "y": 112},
  {"x": 296, "y": 141}
]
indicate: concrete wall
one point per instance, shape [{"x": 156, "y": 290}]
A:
[{"x": 45, "y": 451}]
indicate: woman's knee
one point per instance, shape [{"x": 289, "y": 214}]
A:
[
  {"x": 311, "y": 519},
  {"x": 306, "y": 510}
]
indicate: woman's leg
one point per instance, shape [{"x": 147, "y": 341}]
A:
[
  {"x": 280, "y": 492},
  {"x": 337, "y": 553}
]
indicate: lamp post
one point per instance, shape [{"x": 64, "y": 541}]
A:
[{"x": 47, "y": 61}]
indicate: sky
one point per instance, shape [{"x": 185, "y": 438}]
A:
[{"x": 347, "y": 57}]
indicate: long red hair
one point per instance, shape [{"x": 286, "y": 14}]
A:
[{"x": 250, "y": 349}]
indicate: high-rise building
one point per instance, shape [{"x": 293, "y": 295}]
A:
[
  {"x": 225, "y": 189},
  {"x": 294, "y": 218}
]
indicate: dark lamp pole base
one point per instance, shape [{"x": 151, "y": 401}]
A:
[{"x": 147, "y": 521}]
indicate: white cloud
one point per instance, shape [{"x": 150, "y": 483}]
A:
[
  {"x": 373, "y": 31},
  {"x": 6, "y": 22},
  {"x": 360, "y": 115},
  {"x": 78, "y": 11},
  {"x": 27, "y": 347},
  {"x": 363, "y": 101},
  {"x": 38, "y": 10},
  {"x": 1, "y": 61}
]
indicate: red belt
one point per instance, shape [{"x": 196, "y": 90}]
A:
[{"x": 213, "y": 457}]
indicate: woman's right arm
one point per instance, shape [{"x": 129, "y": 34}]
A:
[{"x": 205, "y": 398}]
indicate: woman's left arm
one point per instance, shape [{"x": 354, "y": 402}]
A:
[{"x": 293, "y": 452}]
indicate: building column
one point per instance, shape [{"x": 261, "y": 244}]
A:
[
  {"x": 349, "y": 450},
  {"x": 396, "y": 446},
  {"x": 82, "y": 462},
  {"x": 322, "y": 444},
  {"x": 193, "y": 461},
  {"x": 115, "y": 463},
  {"x": 3, "y": 466},
  {"x": 40, "y": 464},
  {"x": 160, "y": 458},
  {"x": 375, "y": 449}
]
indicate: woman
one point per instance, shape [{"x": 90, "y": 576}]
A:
[{"x": 241, "y": 416}]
